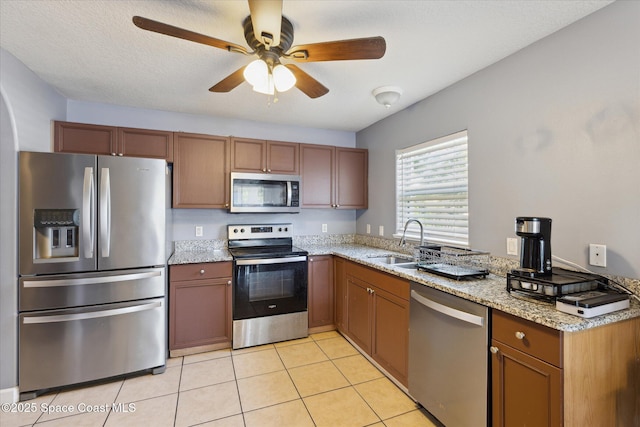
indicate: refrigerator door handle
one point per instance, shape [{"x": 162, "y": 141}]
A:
[
  {"x": 91, "y": 315},
  {"x": 87, "y": 213},
  {"x": 90, "y": 280},
  {"x": 105, "y": 212}
]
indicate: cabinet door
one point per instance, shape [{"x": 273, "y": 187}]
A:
[
  {"x": 248, "y": 155},
  {"x": 200, "y": 313},
  {"x": 340, "y": 293},
  {"x": 359, "y": 306},
  {"x": 351, "y": 178},
  {"x": 390, "y": 344},
  {"x": 283, "y": 157},
  {"x": 85, "y": 139},
  {"x": 145, "y": 143},
  {"x": 317, "y": 174},
  {"x": 526, "y": 391},
  {"x": 321, "y": 301},
  {"x": 200, "y": 171}
]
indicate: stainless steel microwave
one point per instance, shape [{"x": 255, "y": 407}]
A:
[{"x": 264, "y": 193}]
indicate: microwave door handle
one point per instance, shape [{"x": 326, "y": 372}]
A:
[
  {"x": 88, "y": 228},
  {"x": 288, "y": 193},
  {"x": 105, "y": 212}
]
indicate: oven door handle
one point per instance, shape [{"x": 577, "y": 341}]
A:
[{"x": 270, "y": 260}]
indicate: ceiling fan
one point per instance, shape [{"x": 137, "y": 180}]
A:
[{"x": 270, "y": 35}]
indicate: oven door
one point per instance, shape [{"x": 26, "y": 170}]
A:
[{"x": 266, "y": 287}]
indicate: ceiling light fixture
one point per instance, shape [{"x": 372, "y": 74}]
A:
[
  {"x": 387, "y": 95},
  {"x": 267, "y": 79}
]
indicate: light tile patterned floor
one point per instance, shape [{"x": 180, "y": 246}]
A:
[{"x": 316, "y": 381}]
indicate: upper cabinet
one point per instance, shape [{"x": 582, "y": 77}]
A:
[
  {"x": 200, "y": 171},
  {"x": 112, "y": 141},
  {"x": 333, "y": 177},
  {"x": 254, "y": 155}
]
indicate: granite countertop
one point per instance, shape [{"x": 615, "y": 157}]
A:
[{"x": 490, "y": 291}]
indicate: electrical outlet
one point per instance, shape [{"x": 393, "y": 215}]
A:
[
  {"x": 324, "y": 228},
  {"x": 381, "y": 230},
  {"x": 368, "y": 228},
  {"x": 512, "y": 246},
  {"x": 199, "y": 231},
  {"x": 598, "y": 255}
]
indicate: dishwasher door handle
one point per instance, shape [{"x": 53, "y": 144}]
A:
[{"x": 448, "y": 311}]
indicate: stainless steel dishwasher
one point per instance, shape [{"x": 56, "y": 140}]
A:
[{"x": 448, "y": 356}]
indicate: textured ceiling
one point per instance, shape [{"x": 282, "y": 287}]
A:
[{"x": 90, "y": 50}]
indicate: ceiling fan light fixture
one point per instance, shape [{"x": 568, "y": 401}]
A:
[
  {"x": 387, "y": 95},
  {"x": 266, "y": 86},
  {"x": 256, "y": 73},
  {"x": 283, "y": 78}
]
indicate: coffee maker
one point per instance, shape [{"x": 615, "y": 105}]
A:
[{"x": 535, "y": 249}]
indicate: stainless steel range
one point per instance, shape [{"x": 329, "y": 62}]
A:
[{"x": 269, "y": 284}]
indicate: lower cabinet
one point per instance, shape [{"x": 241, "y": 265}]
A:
[
  {"x": 340, "y": 293},
  {"x": 320, "y": 292},
  {"x": 378, "y": 317},
  {"x": 545, "y": 377},
  {"x": 526, "y": 373},
  {"x": 199, "y": 307}
]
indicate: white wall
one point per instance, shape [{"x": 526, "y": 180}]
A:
[
  {"x": 27, "y": 106},
  {"x": 554, "y": 130}
]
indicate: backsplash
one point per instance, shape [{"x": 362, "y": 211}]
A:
[{"x": 497, "y": 265}]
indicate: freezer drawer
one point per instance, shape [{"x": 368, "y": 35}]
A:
[
  {"x": 64, "y": 347},
  {"x": 82, "y": 289}
]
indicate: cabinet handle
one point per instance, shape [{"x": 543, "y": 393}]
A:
[
  {"x": 269, "y": 170},
  {"x": 113, "y": 154},
  {"x": 494, "y": 349},
  {"x": 310, "y": 259},
  {"x": 201, "y": 271},
  {"x": 520, "y": 335},
  {"x": 264, "y": 170},
  {"x": 229, "y": 282},
  {"x": 226, "y": 205},
  {"x": 120, "y": 154}
]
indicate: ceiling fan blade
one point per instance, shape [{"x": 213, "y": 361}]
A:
[
  {"x": 340, "y": 50},
  {"x": 307, "y": 84},
  {"x": 266, "y": 17},
  {"x": 170, "y": 30},
  {"x": 230, "y": 82}
]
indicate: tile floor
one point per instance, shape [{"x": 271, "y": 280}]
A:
[{"x": 316, "y": 381}]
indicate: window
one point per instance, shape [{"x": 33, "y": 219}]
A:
[{"x": 431, "y": 186}]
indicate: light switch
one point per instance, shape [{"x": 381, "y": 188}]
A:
[
  {"x": 199, "y": 231},
  {"x": 512, "y": 246}
]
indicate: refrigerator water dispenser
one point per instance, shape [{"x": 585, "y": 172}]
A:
[{"x": 55, "y": 233}]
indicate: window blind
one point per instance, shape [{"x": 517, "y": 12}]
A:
[{"x": 432, "y": 187}]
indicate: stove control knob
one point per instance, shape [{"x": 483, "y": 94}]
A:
[
  {"x": 286, "y": 229},
  {"x": 242, "y": 230},
  {"x": 235, "y": 230},
  {"x": 280, "y": 229}
]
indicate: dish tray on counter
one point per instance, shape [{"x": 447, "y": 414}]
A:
[{"x": 454, "y": 263}]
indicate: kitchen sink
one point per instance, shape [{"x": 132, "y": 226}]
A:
[{"x": 392, "y": 259}]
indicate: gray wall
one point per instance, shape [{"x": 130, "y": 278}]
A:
[
  {"x": 554, "y": 130},
  {"x": 27, "y": 105}
]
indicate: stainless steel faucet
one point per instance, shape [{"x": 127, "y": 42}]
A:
[{"x": 406, "y": 224}]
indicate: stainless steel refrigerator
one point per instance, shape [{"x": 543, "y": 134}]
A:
[{"x": 92, "y": 278}]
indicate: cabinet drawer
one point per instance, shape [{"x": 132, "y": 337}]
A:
[
  {"x": 539, "y": 341},
  {"x": 209, "y": 270},
  {"x": 394, "y": 285}
]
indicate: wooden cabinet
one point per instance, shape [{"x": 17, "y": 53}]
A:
[
  {"x": 199, "y": 307},
  {"x": 333, "y": 177},
  {"x": 321, "y": 296},
  {"x": 526, "y": 373},
  {"x": 378, "y": 317},
  {"x": 200, "y": 171},
  {"x": 108, "y": 140},
  {"x": 253, "y": 155},
  {"x": 544, "y": 377},
  {"x": 340, "y": 293}
]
